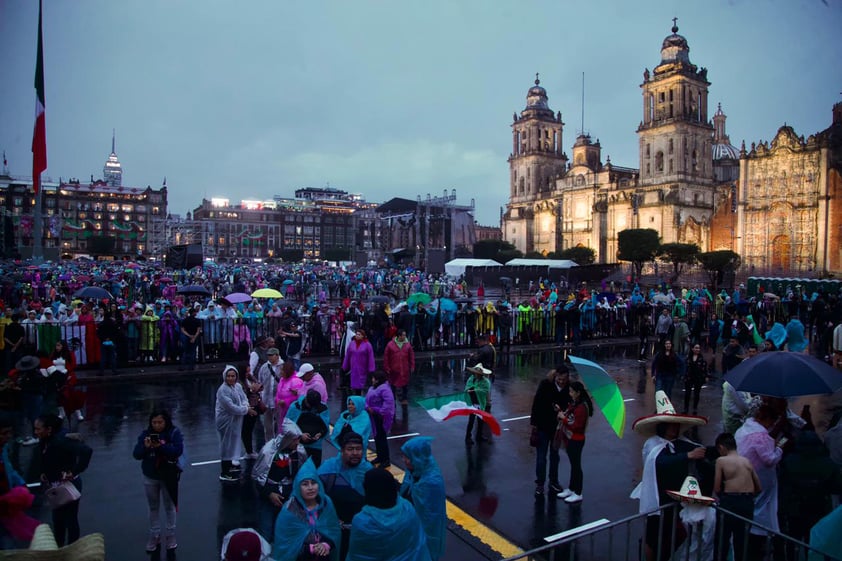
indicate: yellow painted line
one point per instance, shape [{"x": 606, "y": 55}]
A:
[
  {"x": 477, "y": 529},
  {"x": 482, "y": 532}
]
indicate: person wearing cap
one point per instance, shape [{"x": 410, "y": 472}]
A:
[
  {"x": 478, "y": 390},
  {"x": 485, "y": 354},
  {"x": 667, "y": 458},
  {"x": 245, "y": 544},
  {"x": 342, "y": 477},
  {"x": 423, "y": 486},
  {"x": 274, "y": 471},
  {"x": 268, "y": 374},
  {"x": 387, "y": 527},
  {"x": 312, "y": 380},
  {"x": 307, "y": 526},
  {"x": 231, "y": 406}
]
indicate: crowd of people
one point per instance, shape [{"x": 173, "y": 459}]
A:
[{"x": 273, "y": 419}]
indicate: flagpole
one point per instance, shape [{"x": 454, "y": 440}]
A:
[{"x": 38, "y": 229}]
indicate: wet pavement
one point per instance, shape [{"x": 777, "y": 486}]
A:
[{"x": 492, "y": 483}]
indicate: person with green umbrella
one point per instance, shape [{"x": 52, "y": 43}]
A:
[{"x": 572, "y": 423}]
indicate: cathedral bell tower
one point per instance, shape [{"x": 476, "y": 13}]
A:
[
  {"x": 675, "y": 134},
  {"x": 537, "y": 159}
]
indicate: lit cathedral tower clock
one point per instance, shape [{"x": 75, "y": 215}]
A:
[{"x": 537, "y": 159}]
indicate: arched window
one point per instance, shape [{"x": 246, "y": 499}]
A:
[{"x": 659, "y": 161}]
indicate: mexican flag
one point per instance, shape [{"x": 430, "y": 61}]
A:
[
  {"x": 444, "y": 407},
  {"x": 39, "y": 136}
]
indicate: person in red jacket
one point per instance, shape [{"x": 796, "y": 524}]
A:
[
  {"x": 399, "y": 363},
  {"x": 573, "y": 423}
]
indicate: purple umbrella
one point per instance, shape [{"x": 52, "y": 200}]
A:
[{"x": 237, "y": 297}]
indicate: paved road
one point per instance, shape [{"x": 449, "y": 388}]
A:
[{"x": 490, "y": 486}]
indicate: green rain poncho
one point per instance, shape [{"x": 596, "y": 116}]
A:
[
  {"x": 296, "y": 527},
  {"x": 424, "y": 487}
]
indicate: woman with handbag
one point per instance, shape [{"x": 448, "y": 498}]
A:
[
  {"x": 159, "y": 448},
  {"x": 62, "y": 460},
  {"x": 252, "y": 388},
  {"x": 571, "y": 426}
]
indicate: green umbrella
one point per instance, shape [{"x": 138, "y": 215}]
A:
[
  {"x": 604, "y": 391},
  {"x": 266, "y": 293},
  {"x": 418, "y": 297}
]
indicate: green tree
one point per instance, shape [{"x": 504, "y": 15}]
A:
[
  {"x": 680, "y": 255},
  {"x": 638, "y": 246},
  {"x": 718, "y": 263},
  {"x": 497, "y": 250},
  {"x": 535, "y": 255},
  {"x": 580, "y": 255}
]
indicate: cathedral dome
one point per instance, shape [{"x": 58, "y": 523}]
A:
[
  {"x": 675, "y": 48},
  {"x": 536, "y": 97},
  {"x": 725, "y": 152}
]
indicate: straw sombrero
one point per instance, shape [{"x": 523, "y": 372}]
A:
[
  {"x": 665, "y": 413},
  {"x": 691, "y": 493},
  {"x": 478, "y": 369}
]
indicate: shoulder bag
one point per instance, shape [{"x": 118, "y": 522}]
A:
[{"x": 62, "y": 494}]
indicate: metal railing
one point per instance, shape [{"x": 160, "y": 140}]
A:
[{"x": 625, "y": 539}]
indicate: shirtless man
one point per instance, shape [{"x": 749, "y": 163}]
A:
[{"x": 736, "y": 484}]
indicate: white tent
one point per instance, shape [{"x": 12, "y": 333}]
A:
[
  {"x": 457, "y": 267},
  {"x": 551, "y": 263}
]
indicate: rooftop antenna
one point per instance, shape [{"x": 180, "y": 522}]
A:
[
  {"x": 113, "y": 140},
  {"x": 583, "y": 103}
]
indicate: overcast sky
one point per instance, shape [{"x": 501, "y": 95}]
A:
[{"x": 257, "y": 98}]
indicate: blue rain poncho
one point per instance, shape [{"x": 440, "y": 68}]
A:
[
  {"x": 390, "y": 534},
  {"x": 360, "y": 422},
  {"x": 424, "y": 487},
  {"x": 296, "y": 527}
]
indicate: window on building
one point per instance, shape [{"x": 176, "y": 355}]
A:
[
  {"x": 659, "y": 161},
  {"x": 221, "y": 240},
  {"x": 671, "y": 146}
]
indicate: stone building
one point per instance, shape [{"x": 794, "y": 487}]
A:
[
  {"x": 683, "y": 185},
  {"x": 785, "y": 211},
  {"x": 556, "y": 204}
]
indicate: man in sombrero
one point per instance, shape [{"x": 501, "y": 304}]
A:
[{"x": 667, "y": 459}]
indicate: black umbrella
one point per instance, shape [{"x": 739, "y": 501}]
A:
[
  {"x": 194, "y": 290},
  {"x": 379, "y": 299},
  {"x": 785, "y": 374},
  {"x": 94, "y": 292}
]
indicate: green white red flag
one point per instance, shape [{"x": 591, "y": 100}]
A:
[
  {"x": 444, "y": 407},
  {"x": 39, "y": 136}
]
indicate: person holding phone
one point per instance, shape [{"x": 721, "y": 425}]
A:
[{"x": 159, "y": 448}]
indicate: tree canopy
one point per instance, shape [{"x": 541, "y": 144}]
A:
[
  {"x": 498, "y": 250},
  {"x": 718, "y": 263},
  {"x": 679, "y": 255},
  {"x": 580, "y": 254},
  {"x": 639, "y": 246}
]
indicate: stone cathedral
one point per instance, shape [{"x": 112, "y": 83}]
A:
[{"x": 778, "y": 204}]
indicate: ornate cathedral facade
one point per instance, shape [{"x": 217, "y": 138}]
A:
[{"x": 778, "y": 205}]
